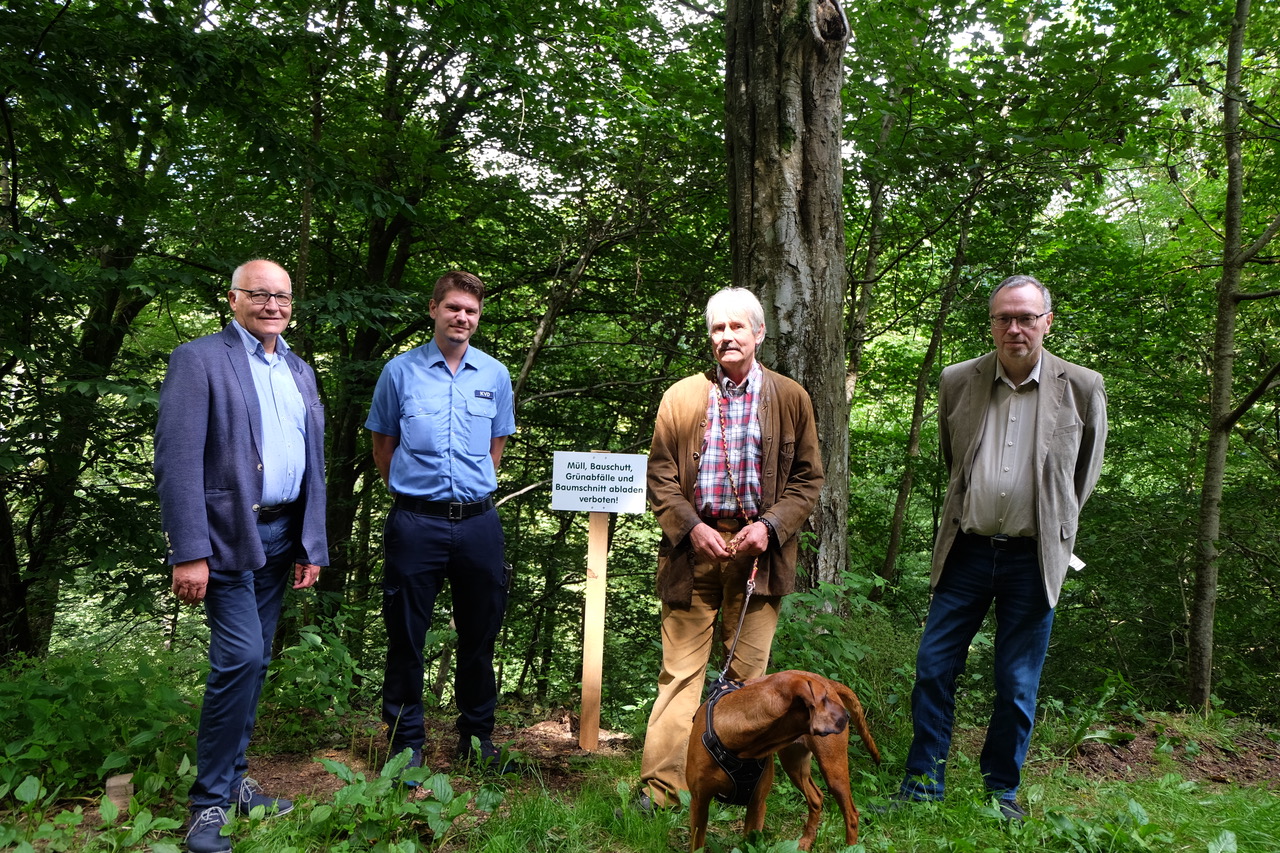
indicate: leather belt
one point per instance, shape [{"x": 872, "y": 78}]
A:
[
  {"x": 452, "y": 510},
  {"x": 271, "y": 513},
  {"x": 1004, "y": 542},
  {"x": 732, "y": 523}
]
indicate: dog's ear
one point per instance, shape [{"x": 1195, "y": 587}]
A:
[{"x": 827, "y": 715}]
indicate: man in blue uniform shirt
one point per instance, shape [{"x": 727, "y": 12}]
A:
[
  {"x": 239, "y": 463},
  {"x": 440, "y": 419}
]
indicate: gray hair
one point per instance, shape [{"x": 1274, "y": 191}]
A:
[
  {"x": 1022, "y": 281},
  {"x": 736, "y": 302}
]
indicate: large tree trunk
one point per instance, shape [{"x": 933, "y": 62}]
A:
[{"x": 783, "y": 123}]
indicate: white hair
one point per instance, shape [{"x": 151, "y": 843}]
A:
[{"x": 736, "y": 302}]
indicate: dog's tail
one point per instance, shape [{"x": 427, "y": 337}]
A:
[{"x": 858, "y": 720}]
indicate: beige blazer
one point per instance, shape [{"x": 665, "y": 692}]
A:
[
  {"x": 1071, "y": 431},
  {"x": 790, "y": 479}
]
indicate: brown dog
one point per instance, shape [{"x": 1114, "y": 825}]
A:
[{"x": 795, "y": 714}]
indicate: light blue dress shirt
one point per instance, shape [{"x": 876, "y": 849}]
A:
[
  {"x": 444, "y": 421},
  {"x": 284, "y": 420}
]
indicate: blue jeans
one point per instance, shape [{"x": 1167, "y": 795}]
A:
[
  {"x": 975, "y": 576},
  {"x": 242, "y": 609},
  {"x": 422, "y": 552}
]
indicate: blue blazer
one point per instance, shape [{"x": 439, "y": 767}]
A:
[{"x": 208, "y": 457}]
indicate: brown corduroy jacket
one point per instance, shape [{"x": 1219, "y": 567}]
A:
[{"x": 790, "y": 479}]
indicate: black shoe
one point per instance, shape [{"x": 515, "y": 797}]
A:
[
  {"x": 1012, "y": 812},
  {"x": 486, "y": 757},
  {"x": 204, "y": 833},
  {"x": 415, "y": 761},
  {"x": 246, "y": 793}
]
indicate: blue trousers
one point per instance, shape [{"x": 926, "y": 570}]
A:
[
  {"x": 975, "y": 577},
  {"x": 422, "y": 552},
  {"x": 242, "y": 609}
]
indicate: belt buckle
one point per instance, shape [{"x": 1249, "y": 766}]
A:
[
  {"x": 1000, "y": 541},
  {"x": 455, "y": 511}
]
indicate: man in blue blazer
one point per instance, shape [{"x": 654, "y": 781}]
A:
[{"x": 239, "y": 464}]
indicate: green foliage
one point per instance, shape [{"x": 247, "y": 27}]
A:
[
  {"x": 311, "y": 685},
  {"x": 816, "y": 630},
  {"x": 67, "y": 722},
  {"x": 380, "y": 814},
  {"x": 1064, "y": 728}
]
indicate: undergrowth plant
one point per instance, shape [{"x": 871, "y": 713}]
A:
[
  {"x": 384, "y": 813},
  {"x": 68, "y": 721}
]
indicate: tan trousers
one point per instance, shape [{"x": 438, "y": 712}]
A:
[{"x": 687, "y": 636}]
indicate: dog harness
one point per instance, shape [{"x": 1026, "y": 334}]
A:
[{"x": 745, "y": 773}]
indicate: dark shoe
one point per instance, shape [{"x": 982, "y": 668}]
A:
[
  {"x": 205, "y": 831},
  {"x": 415, "y": 761},
  {"x": 487, "y": 757},
  {"x": 894, "y": 803},
  {"x": 247, "y": 793},
  {"x": 1012, "y": 812},
  {"x": 645, "y": 804}
]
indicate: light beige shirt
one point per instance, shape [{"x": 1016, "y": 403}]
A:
[{"x": 1002, "y": 483}]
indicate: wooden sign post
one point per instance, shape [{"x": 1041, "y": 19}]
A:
[{"x": 599, "y": 483}]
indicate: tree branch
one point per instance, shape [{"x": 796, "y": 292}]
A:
[
  {"x": 1230, "y": 418},
  {"x": 1263, "y": 239}
]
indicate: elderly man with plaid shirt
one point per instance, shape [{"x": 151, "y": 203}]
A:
[{"x": 734, "y": 472}]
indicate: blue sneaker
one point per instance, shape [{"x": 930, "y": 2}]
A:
[
  {"x": 205, "y": 832},
  {"x": 246, "y": 793}
]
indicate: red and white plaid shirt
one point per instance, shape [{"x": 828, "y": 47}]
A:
[{"x": 714, "y": 494}]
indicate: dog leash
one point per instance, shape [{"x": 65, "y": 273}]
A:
[
  {"x": 751, "y": 587},
  {"x": 742, "y": 513}
]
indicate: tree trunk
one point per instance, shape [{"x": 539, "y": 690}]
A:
[
  {"x": 924, "y": 381},
  {"x": 1221, "y": 420},
  {"x": 783, "y": 131}
]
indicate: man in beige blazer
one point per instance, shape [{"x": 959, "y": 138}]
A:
[{"x": 1022, "y": 435}]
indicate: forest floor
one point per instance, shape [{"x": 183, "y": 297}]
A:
[{"x": 1132, "y": 750}]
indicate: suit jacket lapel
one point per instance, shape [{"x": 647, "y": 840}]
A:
[
  {"x": 1053, "y": 385},
  {"x": 244, "y": 376},
  {"x": 977, "y": 396}
]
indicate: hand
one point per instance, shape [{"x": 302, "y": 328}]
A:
[
  {"x": 191, "y": 581},
  {"x": 305, "y": 575},
  {"x": 751, "y": 540},
  {"x": 708, "y": 544}
]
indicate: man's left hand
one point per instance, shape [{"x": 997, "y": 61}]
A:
[
  {"x": 305, "y": 575},
  {"x": 750, "y": 540}
]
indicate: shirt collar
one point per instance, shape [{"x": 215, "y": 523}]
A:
[
  {"x": 1033, "y": 376},
  {"x": 254, "y": 346},
  {"x": 435, "y": 356},
  {"x": 752, "y": 382}
]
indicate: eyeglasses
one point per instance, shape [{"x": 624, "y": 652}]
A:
[
  {"x": 262, "y": 297},
  {"x": 1024, "y": 321}
]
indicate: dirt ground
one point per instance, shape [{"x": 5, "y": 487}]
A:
[
  {"x": 1136, "y": 750},
  {"x": 1249, "y": 759},
  {"x": 550, "y": 745}
]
